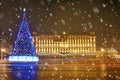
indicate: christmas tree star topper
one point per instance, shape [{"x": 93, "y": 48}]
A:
[{"x": 24, "y": 9}]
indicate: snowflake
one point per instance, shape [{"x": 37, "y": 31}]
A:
[
  {"x": 111, "y": 2},
  {"x": 46, "y": 63},
  {"x": 61, "y": 76},
  {"x": 20, "y": 8},
  {"x": 83, "y": 17},
  {"x": 41, "y": 20},
  {"x": 91, "y": 0},
  {"x": 18, "y": 74},
  {"x": 62, "y": 7},
  {"x": 101, "y": 20},
  {"x": 42, "y": 3},
  {"x": 56, "y": 23},
  {"x": 90, "y": 25},
  {"x": 31, "y": 67},
  {"x": 0, "y": 3},
  {"x": 63, "y": 21},
  {"x": 89, "y": 16},
  {"x": 93, "y": 64},
  {"x": 9, "y": 29},
  {"x": 76, "y": 13},
  {"x": 77, "y": 79},
  {"x": 109, "y": 75},
  {"x": 49, "y": 1},
  {"x": 56, "y": 68},
  {"x": 117, "y": 77},
  {"x": 104, "y": 5},
  {"x": 18, "y": 16},
  {"x": 10, "y": 34},
  {"x": 95, "y": 10},
  {"x": 110, "y": 26},
  {"x": 1, "y": 16},
  {"x": 51, "y": 14},
  {"x": 58, "y": 1}
]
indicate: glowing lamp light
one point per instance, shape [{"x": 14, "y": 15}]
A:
[
  {"x": 102, "y": 50},
  {"x": 3, "y": 50},
  {"x": 23, "y": 59}
]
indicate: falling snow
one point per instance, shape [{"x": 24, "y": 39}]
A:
[
  {"x": 95, "y": 10},
  {"x": 72, "y": 16}
]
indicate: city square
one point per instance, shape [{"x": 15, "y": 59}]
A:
[{"x": 53, "y": 51}]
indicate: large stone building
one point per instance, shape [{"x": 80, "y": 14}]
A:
[{"x": 48, "y": 44}]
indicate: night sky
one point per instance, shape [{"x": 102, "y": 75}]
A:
[{"x": 72, "y": 16}]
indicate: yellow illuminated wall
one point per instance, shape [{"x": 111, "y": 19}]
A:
[{"x": 71, "y": 44}]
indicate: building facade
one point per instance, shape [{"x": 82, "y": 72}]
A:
[
  {"x": 65, "y": 44},
  {"x": 107, "y": 53}
]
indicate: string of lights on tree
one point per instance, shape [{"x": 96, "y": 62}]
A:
[{"x": 23, "y": 44}]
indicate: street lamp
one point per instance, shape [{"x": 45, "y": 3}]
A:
[
  {"x": 102, "y": 49},
  {"x": 3, "y": 50}
]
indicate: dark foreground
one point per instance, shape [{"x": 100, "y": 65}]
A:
[{"x": 69, "y": 69}]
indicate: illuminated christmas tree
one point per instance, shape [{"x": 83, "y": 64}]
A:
[
  {"x": 23, "y": 44},
  {"x": 24, "y": 49},
  {"x": 24, "y": 59}
]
